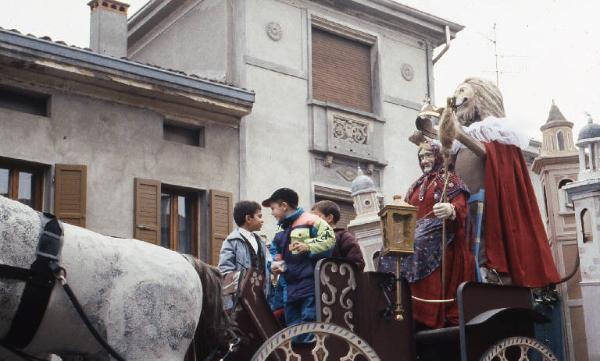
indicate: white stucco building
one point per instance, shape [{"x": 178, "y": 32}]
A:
[{"x": 338, "y": 83}]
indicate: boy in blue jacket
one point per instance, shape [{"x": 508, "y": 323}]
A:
[{"x": 301, "y": 239}]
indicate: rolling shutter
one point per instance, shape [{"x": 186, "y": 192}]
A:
[
  {"x": 341, "y": 70},
  {"x": 70, "y": 193},
  {"x": 221, "y": 221},
  {"x": 347, "y": 213},
  {"x": 147, "y": 210}
]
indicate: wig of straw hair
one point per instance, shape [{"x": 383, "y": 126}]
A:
[{"x": 487, "y": 101}]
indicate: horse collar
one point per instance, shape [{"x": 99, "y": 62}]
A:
[{"x": 39, "y": 281}]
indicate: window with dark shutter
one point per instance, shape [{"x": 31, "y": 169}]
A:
[
  {"x": 22, "y": 181},
  {"x": 341, "y": 71},
  {"x": 221, "y": 221},
  {"x": 70, "y": 193}
]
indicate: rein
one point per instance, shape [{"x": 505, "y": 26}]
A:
[{"x": 39, "y": 280}]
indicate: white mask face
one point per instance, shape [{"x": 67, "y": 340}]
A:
[{"x": 426, "y": 159}]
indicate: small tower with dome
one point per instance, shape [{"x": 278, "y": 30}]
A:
[
  {"x": 557, "y": 166},
  {"x": 585, "y": 195},
  {"x": 367, "y": 224}
]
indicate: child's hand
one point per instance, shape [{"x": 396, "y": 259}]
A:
[{"x": 299, "y": 247}]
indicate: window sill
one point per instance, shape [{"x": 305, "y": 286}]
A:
[{"x": 343, "y": 108}]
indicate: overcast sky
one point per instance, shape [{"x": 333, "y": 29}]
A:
[{"x": 547, "y": 49}]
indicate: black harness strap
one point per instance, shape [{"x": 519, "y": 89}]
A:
[
  {"x": 14, "y": 273},
  {"x": 40, "y": 280}
]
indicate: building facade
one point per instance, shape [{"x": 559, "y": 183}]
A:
[
  {"x": 338, "y": 84},
  {"x": 585, "y": 195},
  {"x": 119, "y": 147},
  {"x": 557, "y": 166}
]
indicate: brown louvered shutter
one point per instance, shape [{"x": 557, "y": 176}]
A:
[
  {"x": 147, "y": 210},
  {"x": 70, "y": 192},
  {"x": 341, "y": 70},
  {"x": 221, "y": 221}
]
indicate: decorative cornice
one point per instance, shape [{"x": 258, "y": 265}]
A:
[
  {"x": 342, "y": 30},
  {"x": 110, "y": 5},
  {"x": 544, "y": 160}
]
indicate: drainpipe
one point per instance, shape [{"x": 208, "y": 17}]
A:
[{"x": 446, "y": 47}]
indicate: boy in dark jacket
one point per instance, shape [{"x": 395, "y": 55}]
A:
[
  {"x": 301, "y": 239},
  {"x": 346, "y": 245}
]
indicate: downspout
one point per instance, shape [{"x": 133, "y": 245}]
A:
[{"x": 446, "y": 47}]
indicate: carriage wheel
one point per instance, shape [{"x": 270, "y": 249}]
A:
[
  {"x": 518, "y": 349},
  {"x": 282, "y": 340}
]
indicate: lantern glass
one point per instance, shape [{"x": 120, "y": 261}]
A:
[{"x": 399, "y": 219}]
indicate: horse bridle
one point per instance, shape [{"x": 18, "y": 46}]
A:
[{"x": 39, "y": 280}]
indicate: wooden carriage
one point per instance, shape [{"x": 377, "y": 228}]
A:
[{"x": 355, "y": 322}]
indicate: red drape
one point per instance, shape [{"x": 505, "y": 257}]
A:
[{"x": 515, "y": 238}]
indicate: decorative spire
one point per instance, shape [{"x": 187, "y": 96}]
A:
[{"x": 555, "y": 114}]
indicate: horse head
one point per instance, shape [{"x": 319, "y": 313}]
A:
[{"x": 216, "y": 329}]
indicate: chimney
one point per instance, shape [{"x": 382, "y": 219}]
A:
[{"x": 108, "y": 27}]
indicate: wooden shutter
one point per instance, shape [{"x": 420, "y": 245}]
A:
[
  {"x": 147, "y": 210},
  {"x": 70, "y": 193},
  {"x": 221, "y": 221},
  {"x": 341, "y": 70}
]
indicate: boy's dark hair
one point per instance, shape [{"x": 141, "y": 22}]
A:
[
  {"x": 286, "y": 195},
  {"x": 328, "y": 208},
  {"x": 243, "y": 209}
]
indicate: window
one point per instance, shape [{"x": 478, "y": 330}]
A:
[
  {"x": 545, "y": 204},
  {"x": 586, "y": 225},
  {"x": 178, "y": 220},
  {"x": 563, "y": 199},
  {"x": 561, "y": 141},
  {"x": 22, "y": 181},
  {"x": 185, "y": 135},
  {"x": 170, "y": 216},
  {"x": 347, "y": 212},
  {"x": 25, "y": 102},
  {"x": 341, "y": 71},
  {"x": 167, "y": 216}
]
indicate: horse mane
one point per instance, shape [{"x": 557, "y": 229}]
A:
[{"x": 214, "y": 330}]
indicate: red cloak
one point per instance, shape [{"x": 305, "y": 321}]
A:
[{"x": 515, "y": 238}]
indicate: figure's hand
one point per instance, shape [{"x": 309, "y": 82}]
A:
[
  {"x": 299, "y": 247},
  {"x": 444, "y": 210},
  {"x": 275, "y": 269}
]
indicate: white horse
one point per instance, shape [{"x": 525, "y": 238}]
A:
[{"x": 145, "y": 300}]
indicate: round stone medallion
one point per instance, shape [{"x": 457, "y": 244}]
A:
[
  {"x": 274, "y": 31},
  {"x": 408, "y": 73}
]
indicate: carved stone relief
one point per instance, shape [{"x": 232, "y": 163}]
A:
[
  {"x": 350, "y": 130},
  {"x": 347, "y": 173},
  {"x": 274, "y": 31}
]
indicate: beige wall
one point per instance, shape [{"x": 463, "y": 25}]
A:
[{"x": 117, "y": 143}]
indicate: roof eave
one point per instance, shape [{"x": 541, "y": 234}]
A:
[{"x": 88, "y": 58}]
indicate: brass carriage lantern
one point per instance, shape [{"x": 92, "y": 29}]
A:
[{"x": 399, "y": 219}]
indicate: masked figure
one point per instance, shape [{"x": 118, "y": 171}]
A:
[
  {"x": 488, "y": 152},
  {"x": 423, "y": 268}
]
